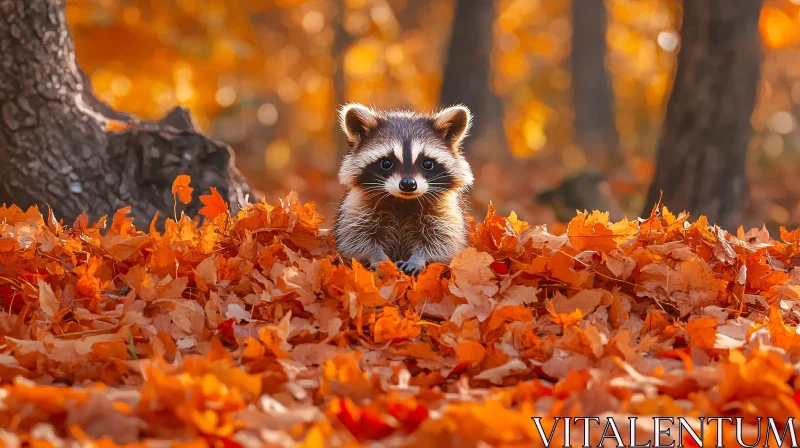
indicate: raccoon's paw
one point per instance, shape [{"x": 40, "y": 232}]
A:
[
  {"x": 411, "y": 267},
  {"x": 375, "y": 262}
]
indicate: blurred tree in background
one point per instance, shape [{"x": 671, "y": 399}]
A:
[
  {"x": 591, "y": 87},
  {"x": 468, "y": 75},
  {"x": 700, "y": 162},
  {"x": 267, "y": 77}
]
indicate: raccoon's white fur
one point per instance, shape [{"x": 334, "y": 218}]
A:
[{"x": 406, "y": 178}]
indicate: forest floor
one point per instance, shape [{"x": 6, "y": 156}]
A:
[{"x": 248, "y": 329}]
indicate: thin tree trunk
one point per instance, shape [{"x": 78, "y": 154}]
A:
[
  {"x": 700, "y": 162},
  {"x": 55, "y": 145},
  {"x": 467, "y": 75},
  {"x": 595, "y": 131}
]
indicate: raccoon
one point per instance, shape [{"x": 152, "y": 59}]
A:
[{"x": 406, "y": 178}]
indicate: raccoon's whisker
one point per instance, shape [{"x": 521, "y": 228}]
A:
[{"x": 437, "y": 193}]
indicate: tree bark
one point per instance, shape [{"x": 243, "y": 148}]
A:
[
  {"x": 594, "y": 127},
  {"x": 56, "y": 148},
  {"x": 467, "y": 74},
  {"x": 700, "y": 161}
]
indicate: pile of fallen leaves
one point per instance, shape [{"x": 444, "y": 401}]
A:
[{"x": 249, "y": 330}]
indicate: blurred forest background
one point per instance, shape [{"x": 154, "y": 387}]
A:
[{"x": 572, "y": 91}]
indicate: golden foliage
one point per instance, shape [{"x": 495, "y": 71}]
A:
[{"x": 267, "y": 76}]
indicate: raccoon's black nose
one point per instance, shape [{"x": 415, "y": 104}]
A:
[{"x": 408, "y": 185}]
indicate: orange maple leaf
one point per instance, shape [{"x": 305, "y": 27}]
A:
[
  {"x": 391, "y": 327},
  {"x": 702, "y": 333},
  {"x": 214, "y": 204},
  {"x": 595, "y": 232},
  {"x": 181, "y": 188}
]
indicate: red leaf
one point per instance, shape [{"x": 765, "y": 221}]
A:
[
  {"x": 409, "y": 417},
  {"x": 7, "y": 299},
  {"x": 458, "y": 370},
  {"x": 226, "y": 328},
  {"x": 364, "y": 424},
  {"x": 499, "y": 267}
]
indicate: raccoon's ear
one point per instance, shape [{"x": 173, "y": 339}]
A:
[
  {"x": 453, "y": 123},
  {"x": 357, "y": 122}
]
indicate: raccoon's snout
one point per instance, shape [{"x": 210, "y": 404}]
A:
[{"x": 408, "y": 185}]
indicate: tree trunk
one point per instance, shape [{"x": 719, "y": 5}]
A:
[
  {"x": 467, "y": 75},
  {"x": 595, "y": 131},
  {"x": 56, "y": 146},
  {"x": 700, "y": 162}
]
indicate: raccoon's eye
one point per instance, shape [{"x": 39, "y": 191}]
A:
[
  {"x": 428, "y": 164},
  {"x": 386, "y": 164}
]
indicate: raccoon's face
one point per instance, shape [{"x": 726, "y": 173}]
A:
[{"x": 403, "y": 154}]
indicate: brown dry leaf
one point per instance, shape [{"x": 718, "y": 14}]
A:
[
  {"x": 619, "y": 264},
  {"x": 691, "y": 286},
  {"x": 473, "y": 279},
  {"x": 586, "y": 343},
  {"x": 207, "y": 271},
  {"x": 48, "y": 301},
  {"x": 519, "y": 295},
  {"x": 586, "y": 301}
]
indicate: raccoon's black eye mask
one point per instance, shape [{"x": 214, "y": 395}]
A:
[
  {"x": 429, "y": 169},
  {"x": 378, "y": 170}
]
